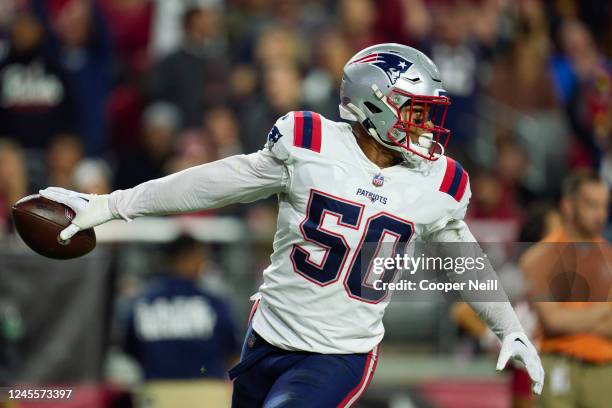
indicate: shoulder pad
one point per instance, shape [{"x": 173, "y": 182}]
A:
[
  {"x": 279, "y": 142},
  {"x": 301, "y": 129}
]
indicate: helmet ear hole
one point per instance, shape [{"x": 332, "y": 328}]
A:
[{"x": 372, "y": 108}]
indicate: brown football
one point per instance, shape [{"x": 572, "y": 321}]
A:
[{"x": 39, "y": 222}]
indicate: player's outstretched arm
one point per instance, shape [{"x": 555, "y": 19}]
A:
[
  {"x": 498, "y": 315},
  {"x": 236, "y": 179}
]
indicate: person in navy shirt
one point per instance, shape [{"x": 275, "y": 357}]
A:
[{"x": 177, "y": 330}]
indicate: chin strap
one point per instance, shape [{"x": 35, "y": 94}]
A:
[{"x": 347, "y": 114}]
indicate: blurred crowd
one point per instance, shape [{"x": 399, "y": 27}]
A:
[{"x": 97, "y": 95}]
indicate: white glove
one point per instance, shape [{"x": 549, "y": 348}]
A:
[
  {"x": 517, "y": 346},
  {"x": 90, "y": 209}
]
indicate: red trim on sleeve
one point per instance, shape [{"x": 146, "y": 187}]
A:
[
  {"x": 462, "y": 186},
  {"x": 448, "y": 175},
  {"x": 298, "y": 128},
  {"x": 316, "y": 132}
]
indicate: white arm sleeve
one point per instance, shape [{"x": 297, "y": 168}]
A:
[
  {"x": 236, "y": 179},
  {"x": 499, "y": 316}
]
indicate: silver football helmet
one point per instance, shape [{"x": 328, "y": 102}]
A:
[{"x": 380, "y": 82}]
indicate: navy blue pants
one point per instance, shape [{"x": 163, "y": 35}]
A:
[{"x": 270, "y": 377}]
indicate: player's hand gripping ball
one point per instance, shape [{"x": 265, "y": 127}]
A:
[{"x": 39, "y": 222}]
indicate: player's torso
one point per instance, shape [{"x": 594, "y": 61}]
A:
[
  {"x": 343, "y": 173},
  {"x": 340, "y": 210}
]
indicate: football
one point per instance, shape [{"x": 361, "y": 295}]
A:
[{"x": 39, "y": 222}]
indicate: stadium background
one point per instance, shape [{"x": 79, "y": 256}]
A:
[{"x": 121, "y": 91}]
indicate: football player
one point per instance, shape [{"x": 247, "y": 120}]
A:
[{"x": 380, "y": 176}]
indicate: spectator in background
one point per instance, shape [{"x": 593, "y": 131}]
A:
[
  {"x": 457, "y": 54},
  {"x": 264, "y": 45},
  {"x": 282, "y": 22},
  {"x": 166, "y": 29},
  {"x": 242, "y": 85},
  {"x": 193, "y": 148},
  {"x": 282, "y": 93},
  {"x": 278, "y": 43},
  {"x": 222, "y": 125},
  {"x": 511, "y": 170},
  {"x": 177, "y": 330},
  {"x": 332, "y": 50},
  {"x": 13, "y": 180},
  {"x": 63, "y": 156},
  {"x": 130, "y": 24},
  {"x": 521, "y": 79},
  {"x": 322, "y": 82},
  {"x": 596, "y": 15},
  {"x": 583, "y": 79},
  {"x": 36, "y": 100},
  {"x": 490, "y": 200},
  {"x": 7, "y": 11},
  {"x": 195, "y": 76},
  {"x": 357, "y": 20},
  {"x": 524, "y": 106},
  {"x": 310, "y": 16},
  {"x": 167, "y": 24},
  {"x": 404, "y": 21},
  {"x": 267, "y": 45},
  {"x": 576, "y": 344},
  {"x": 160, "y": 125},
  {"x": 489, "y": 23},
  {"x": 93, "y": 176},
  {"x": 80, "y": 41}
]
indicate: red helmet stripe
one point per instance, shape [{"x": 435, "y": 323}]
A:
[{"x": 367, "y": 58}]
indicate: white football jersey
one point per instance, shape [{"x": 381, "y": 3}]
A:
[{"x": 334, "y": 203}]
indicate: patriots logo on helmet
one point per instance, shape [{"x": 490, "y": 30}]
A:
[{"x": 391, "y": 64}]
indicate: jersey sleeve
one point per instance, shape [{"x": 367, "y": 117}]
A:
[
  {"x": 455, "y": 187},
  {"x": 455, "y": 190},
  {"x": 459, "y": 212},
  {"x": 452, "y": 228},
  {"x": 235, "y": 179},
  {"x": 296, "y": 131},
  {"x": 280, "y": 138}
]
